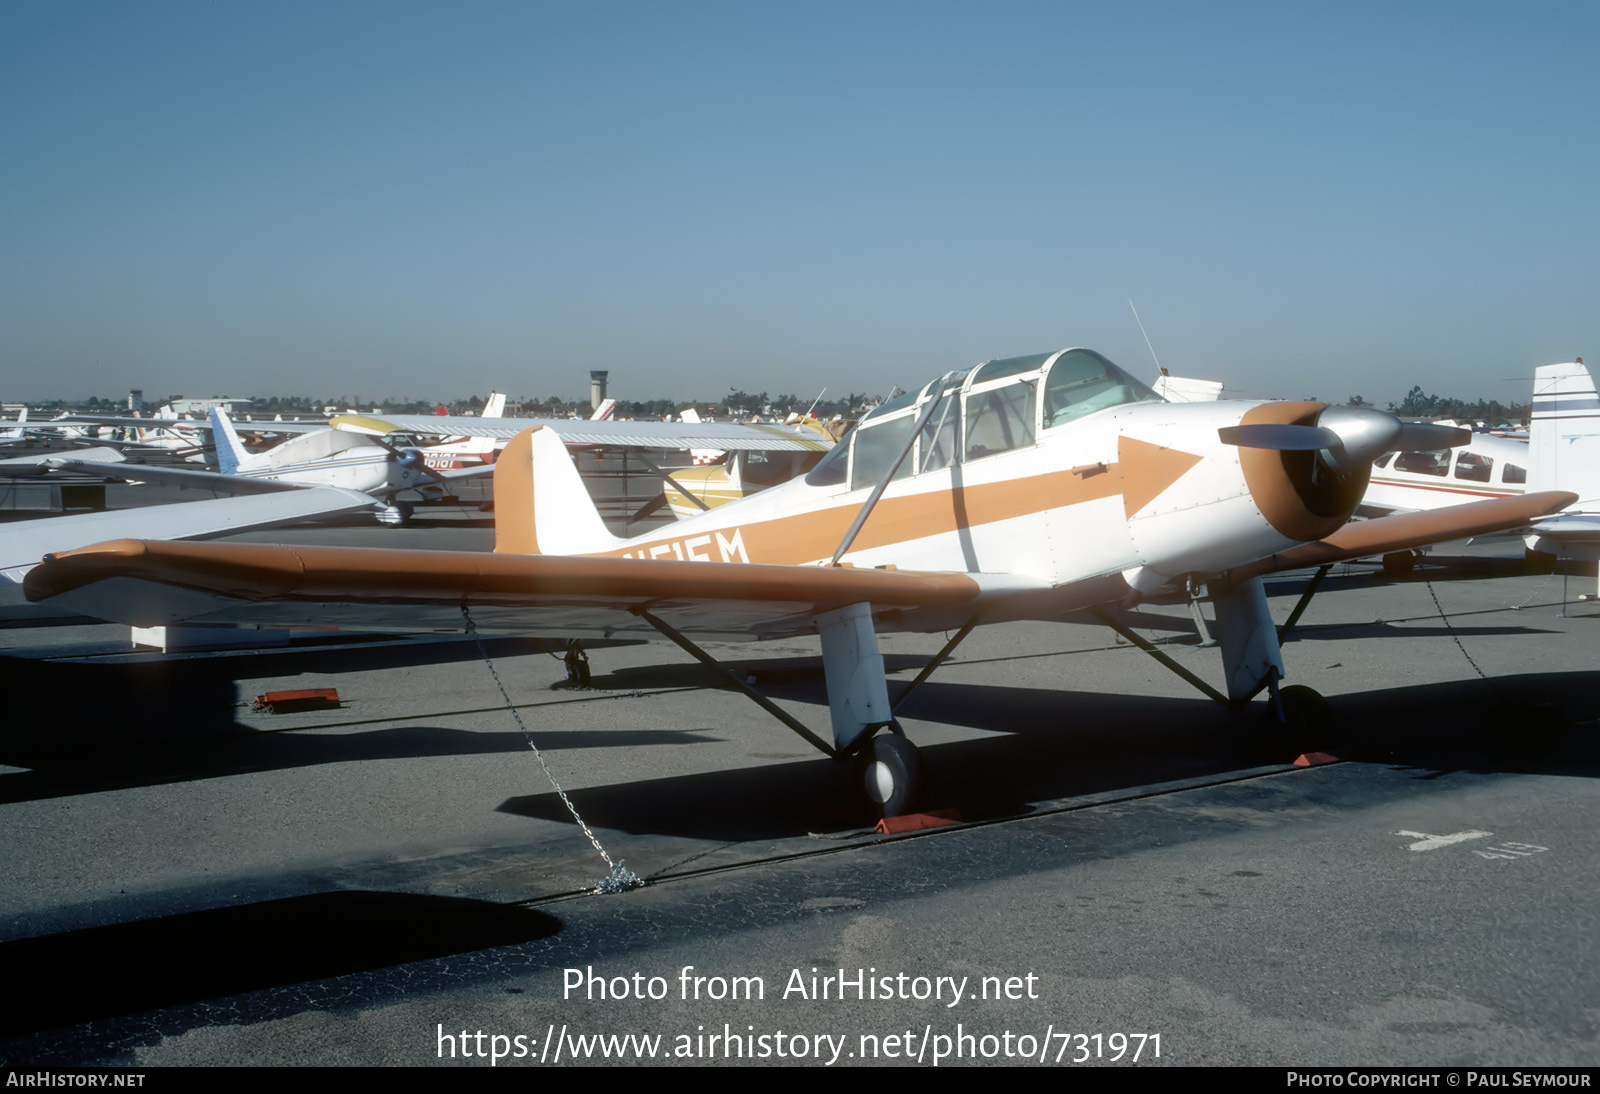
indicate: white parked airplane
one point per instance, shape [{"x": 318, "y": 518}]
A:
[
  {"x": 1564, "y": 441},
  {"x": 19, "y": 433},
  {"x": 1562, "y": 453},
  {"x": 1023, "y": 488},
  {"x": 323, "y": 458}
]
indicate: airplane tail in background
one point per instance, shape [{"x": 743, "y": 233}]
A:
[
  {"x": 541, "y": 506},
  {"x": 231, "y": 453},
  {"x": 1564, "y": 436},
  {"x": 483, "y": 447},
  {"x": 603, "y": 412}
]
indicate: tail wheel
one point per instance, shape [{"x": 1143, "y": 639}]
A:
[{"x": 891, "y": 772}]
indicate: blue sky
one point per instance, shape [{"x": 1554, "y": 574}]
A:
[{"x": 431, "y": 200}]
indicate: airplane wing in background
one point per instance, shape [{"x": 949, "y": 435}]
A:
[
  {"x": 182, "y": 477},
  {"x": 23, "y": 543},
  {"x": 42, "y": 463},
  {"x": 728, "y": 436}
]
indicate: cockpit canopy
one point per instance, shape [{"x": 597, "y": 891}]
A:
[{"x": 996, "y": 407}]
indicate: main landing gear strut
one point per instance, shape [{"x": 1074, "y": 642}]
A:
[
  {"x": 888, "y": 767},
  {"x": 1252, "y": 660}
]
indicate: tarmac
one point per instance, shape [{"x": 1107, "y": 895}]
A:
[{"x": 1138, "y": 873}]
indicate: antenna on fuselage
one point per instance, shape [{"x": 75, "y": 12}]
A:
[
  {"x": 1139, "y": 321},
  {"x": 810, "y": 410}
]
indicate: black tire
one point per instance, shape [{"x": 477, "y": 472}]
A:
[
  {"x": 1308, "y": 724},
  {"x": 577, "y": 663},
  {"x": 1399, "y": 562},
  {"x": 890, "y": 772}
]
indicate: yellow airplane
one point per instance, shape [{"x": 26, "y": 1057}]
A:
[
  {"x": 1024, "y": 488},
  {"x": 729, "y": 476}
]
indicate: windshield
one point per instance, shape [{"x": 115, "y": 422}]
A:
[
  {"x": 1082, "y": 382},
  {"x": 1002, "y": 411}
]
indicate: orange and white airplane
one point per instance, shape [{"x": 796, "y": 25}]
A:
[{"x": 1024, "y": 488}]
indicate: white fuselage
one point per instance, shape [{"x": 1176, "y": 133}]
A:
[
  {"x": 1489, "y": 467},
  {"x": 331, "y": 458},
  {"x": 1057, "y": 469}
]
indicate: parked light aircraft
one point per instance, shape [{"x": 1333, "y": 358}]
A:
[
  {"x": 720, "y": 477},
  {"x": 1024, "y": 488},
  {"x": 324, "y": 458},
  {"x": 19, "y": 433},
  {"x": 1564, "y": 439},
  {"x": 452, "y": 454},
  {"x": 1562, "y": 453},
  {"x": 319, "y": 455},
  {"x": 1486, "y": 467},
  {"x": 456, "y": 453}
]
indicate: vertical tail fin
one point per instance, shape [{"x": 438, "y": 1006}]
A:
[
  {"x": 541, "y": 506},
  {"x": 1564, "y": 435},
  {"x": 496, "y": 406},
  {"x": 231, "y": 453}
]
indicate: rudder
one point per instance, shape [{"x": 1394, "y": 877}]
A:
[
  {"x": 541, "y": 506},
  {"x": 1564, "y": 434}
]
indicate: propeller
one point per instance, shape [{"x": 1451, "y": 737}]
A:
[
  {"x": 411, "y": 459},
  {"x": 1307, "y": 465},
  {"x": 1347, "y": 437}
]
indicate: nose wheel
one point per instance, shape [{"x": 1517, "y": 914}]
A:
[
  {"x": 396, "y": 515},
  {"x": 891, "y": 771}
]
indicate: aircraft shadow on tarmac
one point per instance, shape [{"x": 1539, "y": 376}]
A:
[
  {"x": 60, "y": 774},
  {"x": 104, "y": 972},
  {"x": 1054, "y": 746},
  {"x": 145, "y": 723}
]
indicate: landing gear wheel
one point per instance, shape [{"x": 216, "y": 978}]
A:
[
  {"x": 1399, "y": 562},
  {"x": 396, "y": 515},
  {"x": 1308, "y": 724},
  {"x": 890, "y": 770},
  {"x": 577, "y": 662}
]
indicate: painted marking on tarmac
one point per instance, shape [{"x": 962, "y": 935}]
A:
[
  {"x": 1511, "y": 850},
  {"x": 1425, "y": 842}
]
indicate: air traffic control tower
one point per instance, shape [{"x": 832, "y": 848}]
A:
[{"x": 597, "y": 387}]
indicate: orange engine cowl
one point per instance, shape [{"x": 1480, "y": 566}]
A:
[{"x": 1299, "y": 494}]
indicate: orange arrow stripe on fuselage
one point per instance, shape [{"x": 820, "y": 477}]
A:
[{"x": 1143, "y": 472}]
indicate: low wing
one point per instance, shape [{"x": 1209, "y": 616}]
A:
[
  {"x": 215, "y": 481},
  {"x": 1402, "y": 531},
  {"x": 150, "y": 584},
  {"x": 727, "y": 436},
  {"x": 24, "y": 543},
  {"x": 41, "y": 463},
  {"x": 1567, "y": 530}
]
